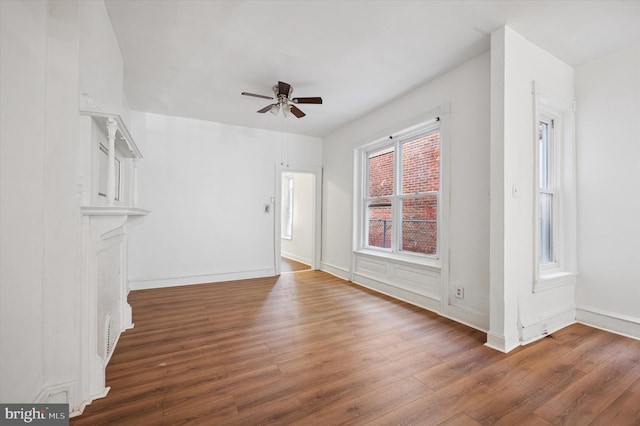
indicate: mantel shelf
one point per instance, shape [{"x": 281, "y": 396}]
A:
[
  {"x": 113, "y": 211},
  {"x": 131, "y": 147}
]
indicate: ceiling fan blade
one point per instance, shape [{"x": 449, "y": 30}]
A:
[
  {"x": 312, "y": 100},
  {"x": 257, "y": 96},
  {"x": 284, "y": 89},
  {"x": 265, "y": 109},
  {"x": 297, "y": 112}
]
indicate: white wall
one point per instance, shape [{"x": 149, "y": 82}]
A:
[
  {"x": 40, "y": 214},
  {"x": 101, "y": 64},
  {"x": 207, "y": 185},
  {"x": 466, "y": 89},
  {"x": 518, "y": 314},
  {"x": 608, "y": 130},
  {"x": 41, "y": 53},
  {"x": 300, "y": 246},
  {"x": 23, "y": 38}
]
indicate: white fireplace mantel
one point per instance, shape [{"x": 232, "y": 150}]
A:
[{"x": 108, "y": 195}]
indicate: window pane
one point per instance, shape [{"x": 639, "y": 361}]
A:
[
  {"x": 544, "y": 150},
  {"x": 381, "y": 172},
  {"x": 287, "y": 206},
  {"x": 379, "y": 223},
  {"x": 546, "y": 228},
  {"x": 419, "y": 225},
  {"x": 421, "y": 165}
]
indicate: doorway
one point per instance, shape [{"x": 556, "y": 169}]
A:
[{"x": 297, "y": 220}]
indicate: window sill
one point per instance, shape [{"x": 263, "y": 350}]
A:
[
  {"x": 432, "y": 263},
  {"x": 549, "y": 281}
]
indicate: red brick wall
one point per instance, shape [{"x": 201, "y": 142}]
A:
[{"x": 421, "y": 173}]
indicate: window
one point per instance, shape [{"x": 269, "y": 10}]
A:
[
  {"x": 287, "y": 206},
  {"x": 402, "y": 192},
  {"x": 554, "y": 195},
  {"x": 546, "y": 192}
]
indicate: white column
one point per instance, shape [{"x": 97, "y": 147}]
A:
[
  {"x": 112, "y": 127},
  {"x": 134, "y": 191}
]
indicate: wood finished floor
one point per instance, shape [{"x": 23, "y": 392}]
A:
[
  {"x": 310, "y": 349},
  {"x": 290, "y": 265}
]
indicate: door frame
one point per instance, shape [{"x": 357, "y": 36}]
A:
[{"x": 316, "y": 243}]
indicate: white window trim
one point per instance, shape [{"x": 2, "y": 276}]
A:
[
  {"x": 562, "y": 271},
  {"x": 401, "y": 132},
  {"x": 287, "y": 234}
]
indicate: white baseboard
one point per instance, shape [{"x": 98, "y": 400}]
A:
[
  {"x": 468, "y": 316},
  {"x": 78, "y": 411},
  {"x": 501, "y": 343},
  {"x": 199, "y": 279},
  {"x": 61, "y": 393},
  {"x": 412, "y": 298},
  {"x": 535, "y": 328},
  {"x": 609, "y": 321},
  {"x": 297, "y": 258},
  {"x": 336, "y": 271}
]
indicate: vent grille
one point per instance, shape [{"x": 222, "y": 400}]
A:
[{"x": 107, "y": 334}]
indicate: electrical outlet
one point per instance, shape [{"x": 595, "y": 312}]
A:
[{"x": 459, "y": 292}]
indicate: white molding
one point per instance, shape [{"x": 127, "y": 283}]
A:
[
  {"x": 563, "y": 148},
  {"x": 430, "y": 263},
  {"x": 297, "y": 258},
  {"x": 78, "y": 411},
  {"x": 370, "y": 278},
  {"x": 536, "y": 327},
  {"x": 501, "y": 342},
  {"x": 612, "y": 322},
  {"x": 471, "y": 317},
  {"x": 52, "y": 393},
  {"x": 419, "y": 300},
  {"x": 336, "y": 271},
  {"x": 316, "y": 243},
  {"x": 143, "y": 284},
  {"x": 113, "y": 211},
  {"x": 121, "y": 128},
  {"x": 553, "y": 281}
]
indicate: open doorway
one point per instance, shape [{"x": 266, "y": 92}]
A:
[
  {"x": 298, "y": 227},
  {"x": 296, "y": 222}
]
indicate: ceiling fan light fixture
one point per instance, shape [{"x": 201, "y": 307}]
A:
[{"x": 282, "y": 94}]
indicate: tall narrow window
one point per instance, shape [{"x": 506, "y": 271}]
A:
[
  {"x": 554, "y": 193},
  {"x": 402, "y": 192},
  {"x": 287, "y": 207},
  {"x": 546, "y": 192}
]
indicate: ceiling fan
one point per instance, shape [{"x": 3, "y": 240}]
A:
[{"x": 282, "y": 92}]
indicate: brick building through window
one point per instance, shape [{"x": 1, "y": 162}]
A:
[{"x": 413, "y": 200}]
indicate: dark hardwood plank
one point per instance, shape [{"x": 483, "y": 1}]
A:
[{"x": 311, "y": 349}]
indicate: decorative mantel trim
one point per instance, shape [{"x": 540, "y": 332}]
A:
[
  {"x": 134, "y": 152},
  {"x": 106, "y": 227},
  {"x": 113, "y": 211}
]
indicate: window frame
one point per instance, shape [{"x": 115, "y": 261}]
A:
[
  {"x": 287, "y": 206},
  {"x": 561, "y": 271},
  {"x": 551, "y": 189},
  {"x": 425, "y": 128}
]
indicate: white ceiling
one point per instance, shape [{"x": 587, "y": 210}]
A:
[{"x": 193, "y": 58}]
